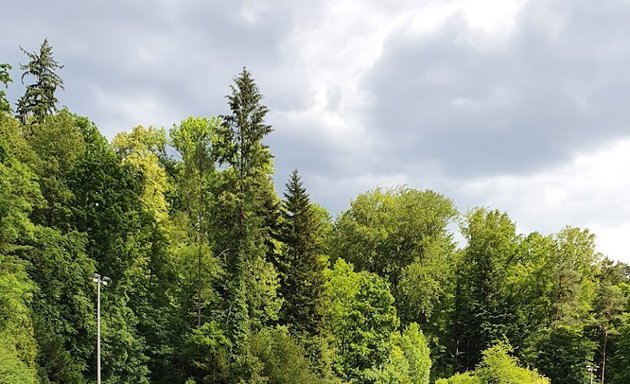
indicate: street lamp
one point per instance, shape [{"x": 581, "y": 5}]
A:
[
  {"x": 591, "y": 369},
  {"x": 99, "y": 280}
]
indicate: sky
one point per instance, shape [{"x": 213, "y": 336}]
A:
[{"x": 518, "y": 105}]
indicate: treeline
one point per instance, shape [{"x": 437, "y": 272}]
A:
[{"x": 218, "y": 279}]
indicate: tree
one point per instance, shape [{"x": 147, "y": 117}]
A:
[
  {"x": 408, "y": 362},
  {"x": 18, "y": 348},
  {"x": 63, "y": 318},
  {"x": 39, "y": 99},
  {"x": 574, "y": 276},
  {"x": 194, "y": 139},
  {"x": 385, "y": 231},
  {"x": 283, "y": 359},
  {"x": 484, "y": 310},
  {"x": 608, "y": 309},
  {"x": 303, "y": 283},
  {"x": 5, "y": 79},
  {"x": 362, "y": 320},
  {"x": 401, "y": 234},
  {"x": 497, "y": 367},
  {"x": 244, "y": 211},
  {"x": 618, "y": 373},
  {"x": 157, "y": 288},
  {"x": 561, "y": 353},
  {"x": 59, "y": 147}
]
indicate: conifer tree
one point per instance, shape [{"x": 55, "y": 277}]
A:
[
  {"x": 302, "y": 267},
  {"x": 39, "y": 99},
  {"x": 244, "y": 195}
]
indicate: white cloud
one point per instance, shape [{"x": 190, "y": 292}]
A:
[{"x": 589, "y": 191}]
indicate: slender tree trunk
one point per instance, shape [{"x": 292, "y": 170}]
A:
[{"x": 604, "y": 356}]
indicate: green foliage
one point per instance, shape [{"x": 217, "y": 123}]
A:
[
  {"x": 39, "y": 99},
  {"x": 618, "y": 371},
  {"x": 141, "y": 149},
  {"x": 208, "y": 351},
  {"x": 497, "y": 367},
  {"x": 17, "y": 344},
  {"x": 409, "y": 361},
  {"x": 62, "y": 306},
  {"x": 5, "y": 79},
  {"x": 282, "y": 358},
  {"x": 461, "y": 378},
  {"x": 362, "y": 320},
  {"x": 561, "y": 353},
  {"x": 301, "y": 267},
  {"x": 245, "y": 211},
  {"x": 484, "y": 310},
  {"x": 385, "y": 231},
  {"x": 19, "y": 194},
  {"x": 14, "y": 370},
  {"x": 574, "y": 276},
  {"x": 59, "y": 147}
]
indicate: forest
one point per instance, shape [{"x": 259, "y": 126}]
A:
[{"x": 216, "y": 277}]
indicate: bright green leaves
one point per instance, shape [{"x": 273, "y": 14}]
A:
[
  {"x": 408, "y": 362},
  {"x": 497, "y": 367},
  {"x": 362, "y": 320},
  {"x": 18, "y": 349},
  {"x": 140, "y": 149},
  {"x": 5, "y": 79},
  {"x": 384, "y": 231}
]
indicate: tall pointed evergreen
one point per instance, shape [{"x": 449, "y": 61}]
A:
[
  {"x": 39, "y": 99},
  {"x": 302, "y": 266},
  {"x": 244, "y": 195}
]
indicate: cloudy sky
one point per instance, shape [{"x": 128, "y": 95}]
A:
[{"x": 515, "y": 105}]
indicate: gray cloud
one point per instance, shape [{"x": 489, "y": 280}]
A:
[
  {"x": 558, "y": 85},
  {"x": 173, "y": 59},
  {"x": 446, "y": 109}
]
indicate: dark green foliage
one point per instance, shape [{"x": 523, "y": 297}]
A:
[
  {"x": 108, "y": 207},
  {"x": 283, "y": 360},
  {"x": 244, "y": 197},
  {"x": 59, "y": 146},
  {"x": 617, "y": 371},
  {"x": 39, "y": 99},
  {"x": 561, "y": 353},
  {"x": 62, "y": 306},
  {"x": 484, "y": 311},
  {"x": 301, "y": 266}
]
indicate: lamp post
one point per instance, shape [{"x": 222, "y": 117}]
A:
[
  {"x": 99, "y": 280},
  {"x": 591, "y": 369}
]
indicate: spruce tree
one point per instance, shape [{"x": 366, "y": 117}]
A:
[
  {"x": 39, "y": 99},
  {"x": 244, "y": 194},
  {"x": 302, "y": 266}
]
